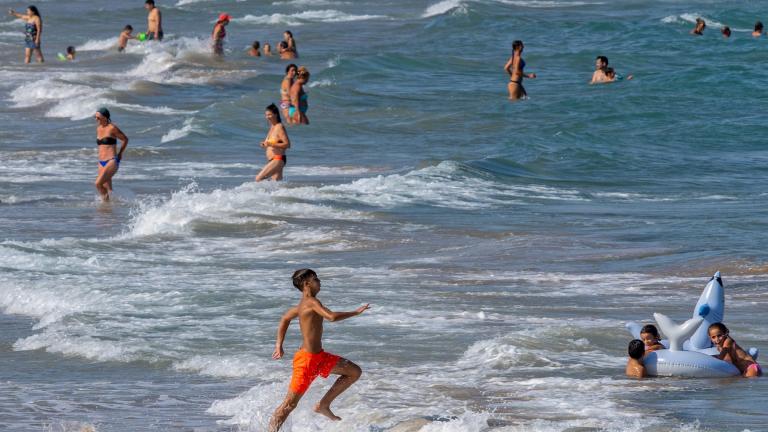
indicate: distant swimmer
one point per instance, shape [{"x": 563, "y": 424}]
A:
[
  {"x": 299, "y": 104},
  {"x": 515, "y": 68},
  {"x": 758, "y": 31},
  {"x": 33, "y": 32},
  {"x": 310, "y": 361},
  {"x": 267, "y": 49},
  {"x": 125, "y": 36},
  {"x": 71, "y": 54},
  {"x": 285, "y": 53},
  {"x": 107, "y": 135},
  {"x": 154, "y": 21},
  {"x": 290, "y": 43},
  {"x": 285, "y": 90},
  {"x": 275, "y": 145},
  {"x": 698, "y": 30},
  {"x": 603, "y": 73},
  {"x": 255, "y": 51},
  {"x": 219, "y": 34},
  {"x": 726, "y": 31}
]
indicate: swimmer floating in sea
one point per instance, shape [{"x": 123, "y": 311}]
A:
[
  {"x": 275, "y": 145},
  {"x": 698, "y": 30},
  {"x": 107, "y": 135},
  {"x": 254, "y": 50},
  {"x": 310, "y": 361},
  {"x": 758, "y": 31},
  {"x": 515, "y": 68}
]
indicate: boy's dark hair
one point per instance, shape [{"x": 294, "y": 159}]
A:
[
  {"x": 603, "y": 59},
  {"x": 150, "y": 2},
  {"x": 651, "y": 330},
  {"x": 759, "y": 26},
  {"x": 720, "y": 326},
  {"x": 256, "y": 44},
  {"x": 636, "y": 349},
  {"x": 301, "y": 276},
  {"x": 128, "y": 27},
  {"x": 70, "y": 50}
]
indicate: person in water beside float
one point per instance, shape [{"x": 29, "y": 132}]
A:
[
  {"x": 107, "y": 135},
  {"x": 310, "y": 361},
  {"x": 275, "y": 145},
  {"x": 651, "y": 338},
  {"x": 635, "y": 367},
  {"x": 731, "y": 352}
]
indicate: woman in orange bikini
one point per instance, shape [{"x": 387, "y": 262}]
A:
[
  {"x": 275, "y": 144},
  {"x": 514, "y": 68}
]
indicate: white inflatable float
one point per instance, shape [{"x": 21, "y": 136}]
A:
[{"x": 689, "y": 350}]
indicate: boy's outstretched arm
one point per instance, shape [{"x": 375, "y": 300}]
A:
[
  {"x": 337, "y": 316},
  {"x": 285, "y": 321}
]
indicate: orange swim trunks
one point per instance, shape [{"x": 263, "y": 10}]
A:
[{"x": 307, "y": 366}]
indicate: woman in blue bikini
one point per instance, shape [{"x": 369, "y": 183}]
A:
[
  {"x": 107, "y": 135},
  {"x": 33, "y": 31}
]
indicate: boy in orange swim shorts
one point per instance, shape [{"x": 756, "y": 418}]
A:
[{"x": 310, "y": 361}]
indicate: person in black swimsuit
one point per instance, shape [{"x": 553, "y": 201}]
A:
[{"x": 107, "y": 135}]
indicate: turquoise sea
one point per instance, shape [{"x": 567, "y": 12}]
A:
[{"x": 503, "y": 246}]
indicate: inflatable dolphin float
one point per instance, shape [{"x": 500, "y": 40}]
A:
[{"x": 689, "y": 350}]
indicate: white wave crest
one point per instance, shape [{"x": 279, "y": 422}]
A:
[
  {"x": 443, "y": 7},
  {"x": 175, "y": 134},
  {"x": 98, "y": 44},
  {"x": 327, "y": 16},
  {"x": 548, "y": 3},
  {"x": 690, "y": 18}
]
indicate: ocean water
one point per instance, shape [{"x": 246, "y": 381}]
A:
[{"x": 502, "y": 245}]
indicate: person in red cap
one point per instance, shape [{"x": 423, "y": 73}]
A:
[{"x": 219, "y": 33}]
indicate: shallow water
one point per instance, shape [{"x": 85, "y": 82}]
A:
[{"x": 502, "y": 245}]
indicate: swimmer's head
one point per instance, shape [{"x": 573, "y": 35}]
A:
[
  {"x": 610, "y": 73},
  {"x": 726, "y": 31},
  {"x": 283, "y": 45},
  {"x": 256, "y": 45},
  {"x": 273, "y": 113},
  {"x": 517, "y": 45},
  {"x": 601, "y": 62},
  {"x": 759, "y": 27},
  {"x": 717, "y": 333},
  {"x": 700, "y": 23},
  {"x": 224, "y": 18},
  {"x": 302, "y": 74},
  {"x": 71, "y": 50},
  {"x": 128, "y": 27},
  {"x": 32, "y": 10},
  {"x": 149, "y": 4},
  {"x": 636, "y": 349},
  {"x": 291, "y": 67},
  {"x": 649, "y": 334},
  {"x": 287, "y": 34},
  {"x": 306, "y": 278},
  {"x": 102, "y": 115}
]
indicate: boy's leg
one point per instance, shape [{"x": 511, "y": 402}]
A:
[
  {"x": 282, "y": 412},
  {"x": 349, "y": 372}
]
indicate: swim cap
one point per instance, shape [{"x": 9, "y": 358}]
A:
[
  {"x": 104, "y": 112},
  {"x": 224, "y": 17}
]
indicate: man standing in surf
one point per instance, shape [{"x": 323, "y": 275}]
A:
[
  {"x": 154, "y": 21},
  {"x": 310, "y": 361}
]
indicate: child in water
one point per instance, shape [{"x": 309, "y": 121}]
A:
[
  {"x": 698, "y": 30},
  {"x": 310, "y": 361},
  {"x": 610, "y": 73},
  {"x": 71, "y": 53},
  {"x": 254, "y": 51},
  {"x": 649, "y": 334},
  {"x": 731, "y": 352},
  {"x": 124, "y": 36},
  {"x": 267, "y": 49},
  {"x": 635, "y": 367}
]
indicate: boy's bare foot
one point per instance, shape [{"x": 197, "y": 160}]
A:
[{"x": 326, "y": 411}]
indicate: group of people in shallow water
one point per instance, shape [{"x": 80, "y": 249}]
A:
[
  {"x": 729, "y": 351},
  {"x": 293, "y": 98},
  {"x": 698, "y": 29}
]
